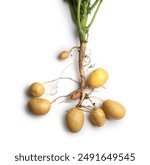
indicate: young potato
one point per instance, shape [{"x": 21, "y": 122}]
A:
[
  {"x": 36, "y": 89},
  {"x": 39, "y": 106},
  {"x": 63, "y": 55},
  {"x": 75, "y": 95},
  {"x": 97, "y": 78},
  {"x": 75, "y": 119},
  {"x": 113, "y": 109},
  {"x": 97, "y": 117}
]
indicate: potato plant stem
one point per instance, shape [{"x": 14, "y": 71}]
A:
[
  {"x": 94, "y": 4},
  {"x": 82, "y": 73},
  {"x": 78, "y": 15},
  {"x": 90, "y": 24}
]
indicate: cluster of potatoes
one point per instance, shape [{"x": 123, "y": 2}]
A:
[
  {"x": 75, "y": 116},
  {"x": 109, "y": 109},
  {"x": 97, "y": 116},
  {"x": 38, "y": 105}
]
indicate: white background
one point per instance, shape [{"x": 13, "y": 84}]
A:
[{"x": 32, "y": 33}]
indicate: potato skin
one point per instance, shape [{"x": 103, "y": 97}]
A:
[
  {"x": 75, "y": 120},
  {"x": 39, "y": 106},
  {"x": 97, "y": 78},
  {"x": 97, "y": 117},
  {"x": 36, "y": 89},
  {"x": 63, "y": 55},
  {"x": 113, "y": 109}
]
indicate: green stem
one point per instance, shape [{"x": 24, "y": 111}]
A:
[
  {"x": 78, "y": 15},
  {"x": 73, "y": 13},
  {"x": 90, "y": 24},
  {"x": 93, "y": 6}
]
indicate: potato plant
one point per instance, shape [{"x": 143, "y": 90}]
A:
[{"x": 80, "y": 11}]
